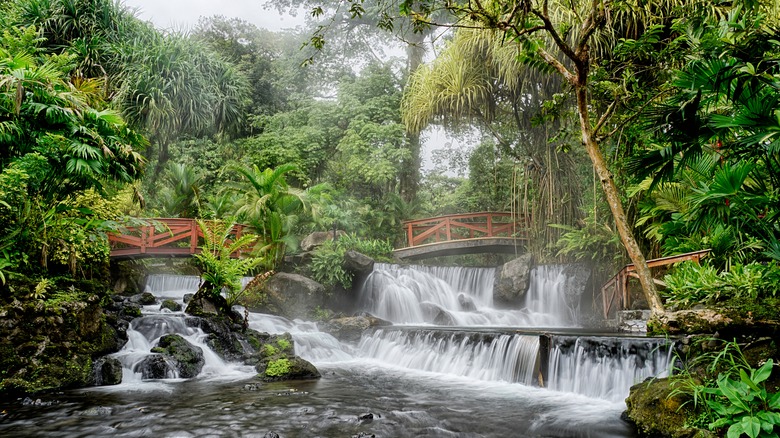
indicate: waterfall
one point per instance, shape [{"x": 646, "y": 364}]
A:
[
  {"x": 491, "y": 357},
  {"x": 459, "y": 296},
  {"x": 605, "y": 367}
]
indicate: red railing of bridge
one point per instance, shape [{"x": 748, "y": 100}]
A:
[
  {"x": 615, "y": 294},
  {"x": 161, "y": 237},
  {"x": 464, "y": 226}
]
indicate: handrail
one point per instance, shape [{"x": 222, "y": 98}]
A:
[
  {"x": 463, "y": 226},
  {"x": 619, "y": 282},
  {"x": 146, "y": 240}
]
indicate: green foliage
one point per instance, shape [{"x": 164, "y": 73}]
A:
[
  {"x": 219, "y": 262},
  {"x": 690, "y": 284},
  {"x": 592, "y": 242},
  {"x": 328, "y": 259},
  {"x": 269, "y": 350},
  {"x": 278, "y": 367},
  {"x": 737, "y": 400}
]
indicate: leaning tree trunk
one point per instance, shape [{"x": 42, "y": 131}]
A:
[
  {"x": 410, "y": 171},
  {"x": 613, "y": 199}
]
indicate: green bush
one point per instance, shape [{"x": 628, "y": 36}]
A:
[
  {"x": 328, "y": 259},
  {"x": 690, "y": 284}
]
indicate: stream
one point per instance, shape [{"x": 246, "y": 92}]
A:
[{"x": 478, "y": 378}]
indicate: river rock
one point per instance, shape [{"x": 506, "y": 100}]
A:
[
  {"x": 317, "y": 238},
  {"x": 144, "y": 299},
  {"x": 435, "y": 314},
  {"x": 351, "y": 328},
  {"x": 187, "y": 358},
  {"x": 230, "y": 341},
  {"x": 688, "y": 321},
  {"x": 358, "y": 263},
  {"x": 577, "y": 277},
  {"x": 107, "y": 371},
  {"x": 466, "y": 303},
  {"x": 291, "y": 295},
  {"x": 657, "y": 410},
  {"x": 171, "y": 305},
  {"x": 284, "y": 368},
  {"x": 512, "y": 281},
  {"x": 154, "y": 366}
]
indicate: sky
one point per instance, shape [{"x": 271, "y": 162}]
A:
[{"x": 178, "y": 14}]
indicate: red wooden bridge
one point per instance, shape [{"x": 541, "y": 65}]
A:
[
  {"x": 161, "y": 237},
  {"x": 468, "y": 233}
]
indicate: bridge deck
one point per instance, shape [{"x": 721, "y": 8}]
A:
[{"x": 479, "y": 245}]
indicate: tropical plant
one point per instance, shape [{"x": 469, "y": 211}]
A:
[
  {"x": 689, "y": 283},
  {"x": 223, "y": 259},
  {"x": 270, "y": 205},
  {"x": 328, "y": 259},
  {"x": 737, "y": 400}
]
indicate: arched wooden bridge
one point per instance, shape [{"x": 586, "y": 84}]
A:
[
  {"x": 471, "y": 233},
  {"x": 161, "y": 237},
  {"x": 445, "y": 235}
]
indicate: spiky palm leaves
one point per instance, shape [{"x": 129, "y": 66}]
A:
[{"x": 479, "y": 78}]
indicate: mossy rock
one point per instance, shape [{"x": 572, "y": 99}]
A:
[
  {"x": 286, "y": 368},
  {"x": 187, "y": 357},
  {"x": 657, "y": 413},
  {"x": 171, "y": 305}
]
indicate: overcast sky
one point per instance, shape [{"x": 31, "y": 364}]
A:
[{"x": 179, "y": 14}]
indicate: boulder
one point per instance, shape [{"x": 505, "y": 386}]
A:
[
  {"x": 283, "y": 368},
  {"x": 229, "y": 340},
  {"x": 688, "y": 321},
  {"x": 577, "y": 281},
  {"x": 512, "y": 280},
  {"x": 155, "y": 366},
  {"x": 466, "y": 303},
  {"x": 106, "y": 371},
  {"x": 436, "y": 315},
  {"x": 358, "y": 263},
  {"x": 144, "y": 299},
  {"x": 187, "y": 358},
  {"x": 657, "y": 410},
  {"x": 351, "y": 328},
  {"x": 291, "y": 295},
  {"x": 171, "y": 305},
  {"x": 317, "y": 238}
]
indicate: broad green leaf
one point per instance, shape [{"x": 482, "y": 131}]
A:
[
  {"x": 764, "y": 372},
  {"x": 774, "y": 401},
  {"x": 751, "y": 425},
  {"x": 735, "y": 431}
]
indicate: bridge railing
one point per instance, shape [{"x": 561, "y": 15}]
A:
[
  {"x": 615, "y": 294},
  {"x": 161, "y": 237},
  {"x": 464, "y": 226}
]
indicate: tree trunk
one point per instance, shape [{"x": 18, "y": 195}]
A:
[
  {"x": 410, "y": 172},
  {"x": 615, "y": 204}
]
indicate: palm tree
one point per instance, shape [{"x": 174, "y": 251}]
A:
[
  {"x": 478, "y": 78},
  {"x": 270, "y": 205}
]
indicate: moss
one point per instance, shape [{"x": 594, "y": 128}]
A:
[
  {"x": 657, "y": 411},
  {"x": 269, "y": 350},
  {"x": 278, "y": 368},
  {"x": 284, "y": 344}
]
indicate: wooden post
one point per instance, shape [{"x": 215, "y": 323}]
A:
[
  {"x": 448, "y": 231},
  {"x": 543, "y": 360},
  {"x": 193, "y": 236},
  {"x": 144, "y": 233},
  {"x": 409, "y": 235},
  {"x": 490, "y": 225}
]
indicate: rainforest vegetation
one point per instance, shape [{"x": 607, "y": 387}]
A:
[{"x": 624, "y": 130}]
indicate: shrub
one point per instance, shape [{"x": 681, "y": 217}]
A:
[{"x": 328, "y": 260}]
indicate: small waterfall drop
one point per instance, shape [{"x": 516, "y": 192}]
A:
[
  {"x": 606, "y": 367},
  {"x": 480, "y": 356},
  {"x": 459, "y": 296}
]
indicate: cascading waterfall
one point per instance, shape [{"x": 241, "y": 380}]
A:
[
  {"x": 490, "y": 357},
  {"x": 605, "y": 367},
  {"x": 461, "y": 296}
]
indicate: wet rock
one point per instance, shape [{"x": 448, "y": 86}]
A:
[
  {"x": 364, "y": 435},
  {"x": 155, "y": 367},
  {"x": 688, "y": 321},
  {"x": 284, "y": 368},
  {"x": 466, "y": 303},
  {"x": 171, "y": 305},
  {"x": 144, "y": 299},
  {"x": 351, "y": 328},
  {"x": 358, "y": 263},
  {"x": 291, "y": 295},
  {"x": 655, "y": 411},
  {"x": 368, "y": 417},
  {"x": 434, "y": 314},
  {"x": 577, "y": 278},
  {"x": 512, "y": 281},
  {"x": 271, "y": 435},
  {"x": 317, "y": 238},
  {"x": 186, "y": 358},
  {"x": 230, "y": 341},
  {"x": 107, "y": 371},
  {"x": 187, "y": 297}
]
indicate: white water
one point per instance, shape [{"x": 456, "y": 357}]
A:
[
  {"x": 597, "y": 367},
  {"x": 605, "y": 368},
  {"x": 435, "y": 295}
]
